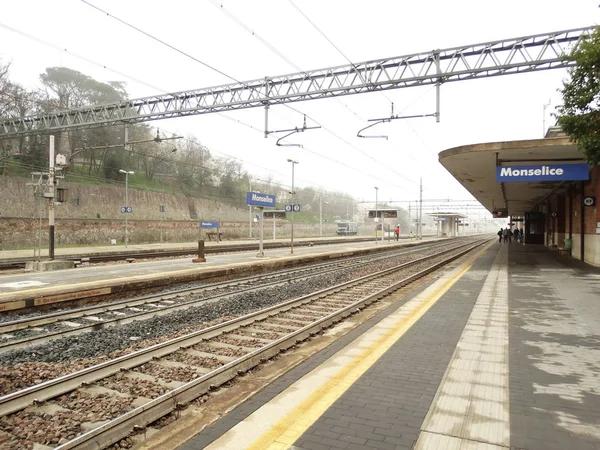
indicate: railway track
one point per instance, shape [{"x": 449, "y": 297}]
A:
[
  {"x": 25, "y": 332},
  {"x": 113, "y": 398}
]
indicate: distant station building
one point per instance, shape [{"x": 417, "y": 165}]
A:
[
  {"x": 380, "y": 216},
  {"x": 544, "y": 186},
  {"x": 449, "y": 224}
]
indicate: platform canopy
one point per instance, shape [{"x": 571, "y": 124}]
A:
[
  {"x": 448, "y": 215},
  {"x": 474, "y": 166}
]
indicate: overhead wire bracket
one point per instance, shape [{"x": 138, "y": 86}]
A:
[
  {"x": 290, "y": 132},
  {"x": 388, "y": 119}
]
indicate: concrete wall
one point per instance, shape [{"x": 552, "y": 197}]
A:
[
  {"x": 104, "y": 202},
  {"x": 92, "y": 216}
]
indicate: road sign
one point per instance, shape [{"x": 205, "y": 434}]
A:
[
  {"x": 294, "y": 207},
  {"x": 258, "y": 199},
  {"x": 209, "y": 224},
  {"x": 126, "y": 209}
]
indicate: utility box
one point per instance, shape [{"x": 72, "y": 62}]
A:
[{"x": 61, "y": 195}]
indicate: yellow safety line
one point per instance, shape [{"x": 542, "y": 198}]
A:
[{"x": 285, "y": 432}]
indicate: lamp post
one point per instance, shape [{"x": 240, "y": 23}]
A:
[
  {"x": 293, "y": 194},
  {"x": 321, "y": 214},
  {"x": 376, "y": 222},
  {"x": 127, "y": 173}
]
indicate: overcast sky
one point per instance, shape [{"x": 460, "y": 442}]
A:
[{"x": 485, "y": 110}]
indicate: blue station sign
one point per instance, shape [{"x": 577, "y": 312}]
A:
[
  {"x": 258, "y": 199},
  {"x": 544, "y": 172},
  {"x": 204, "y": 224}
]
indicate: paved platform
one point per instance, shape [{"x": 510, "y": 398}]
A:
[
  {"x": 26, "y": 290},
  {"x": 502, "y": 352},
  {"x": 157, "y": 247}
]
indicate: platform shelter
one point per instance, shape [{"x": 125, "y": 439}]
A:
[
  {"x": 543, "y": 185},
  {"x": 449, "y": 224}
]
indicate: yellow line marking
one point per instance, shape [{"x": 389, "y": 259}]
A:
[{"x": 297, "y": 421}]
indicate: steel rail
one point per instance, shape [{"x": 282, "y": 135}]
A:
[
  {"x": 20, "y": 399},
  {"x": 50, "y": 318},
  {"x": 164, "y": 309},
  {"x": 140, "y": 417}
]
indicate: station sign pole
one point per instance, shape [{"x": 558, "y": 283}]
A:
[
  {"x": 51, "y": 199},
  {"x": 376, "y": 219},
  {"x": 261, "y": 201},
  {"x": 261, "y": 252}
]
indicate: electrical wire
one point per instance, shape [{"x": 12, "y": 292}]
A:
[
  {"x": 76, "y": 55},
  {"x": 136, "y": 80},
  {"x": 334, "y": 46},
  {"x": 353, "y": 65},
  {"x": 161, "y": 42},
  {"x": 236, "y": 80},
  {"x": 282, "y": 56}
]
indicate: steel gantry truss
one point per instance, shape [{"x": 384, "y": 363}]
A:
[{"x": 502, "y": 57}]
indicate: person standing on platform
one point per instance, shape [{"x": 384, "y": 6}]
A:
[
  {"x": 397, "y": 232},
  {"x": 509, "y": 233},
  {"x": 516, "y": 235},
  {"x": 500, "y": 234},
  {"x": 522, "y": 236}
]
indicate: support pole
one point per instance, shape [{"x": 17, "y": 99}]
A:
[
  {"x": 126, "y": 205},
  {"x": 250, "y": 215},
  {"x": 420, "y": 236},
  {"x": 266, "y": 108},
  {"x": 437, "y": 88},
  {"x": 261, "y": 218},
  {"x": 410, "y": 221},
  {"x": 51, "y": 198},
  {"x": 293, "y": 199},
  {"x": 321, "y": 215},
  {"x": 376, "y": 218},
  {"x": 581, "y": 225}
]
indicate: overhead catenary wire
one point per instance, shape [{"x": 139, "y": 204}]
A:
[
  {"x": 351, "y": 63},
  {"x": 286, "y": 59},
  {"x": 141, "y": 82},
  {"x": 238, "y": 81},
  {"x": 137, "y": 80}
]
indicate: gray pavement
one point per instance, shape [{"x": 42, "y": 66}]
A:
[
  {"x": 13, "y": 284},
  {"x": 554, "y": 352},
  {"x": 508, "y": 357},
  {"x": 104, "y": 249}
]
